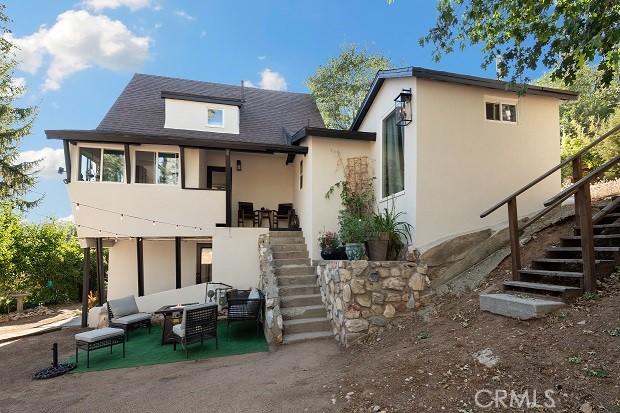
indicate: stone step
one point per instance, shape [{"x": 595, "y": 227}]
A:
[
  {"x": 519, "y": 307},
  {"x": 306, "y": 325},
  {"x": 301, "y": 337},
  {"x": 295, "y": 270},
  {"x": 290, "y": 254},
  {"x": 288, "y": 247},
  {"x": 306, "y": 289},
  {"x": 300, "y": 300},
  {"x": 285, "y": 234},
  {"x": 284, "y": 281},
  {"x": 308, "y": 311},
  {"x": 291, "y": 261},
  {"x": 287, "y": 241}
]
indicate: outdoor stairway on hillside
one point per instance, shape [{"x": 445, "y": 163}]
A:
[
  {"x": 558, "y": 276},
  {"x": 303, "y": 312}
]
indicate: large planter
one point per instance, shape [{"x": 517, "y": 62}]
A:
[
  {"x": 378, "y": 248},
  {"x": 355, "y": 251},
  {"x": 340, "y": 253},
  {"x": 327, "y": 255}
]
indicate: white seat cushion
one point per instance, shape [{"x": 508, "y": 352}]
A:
[
  {"x": 178, "y": 330},
  {"x": 132, "y": 318},
  {"x": 97, "y": 335}
]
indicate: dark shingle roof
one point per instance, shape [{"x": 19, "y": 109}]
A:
[{"x": 266, "y": 116}]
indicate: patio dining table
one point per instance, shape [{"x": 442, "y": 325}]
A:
[{"x": 171, "y": 313}]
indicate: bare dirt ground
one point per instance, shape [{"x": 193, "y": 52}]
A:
[{"x": 423, "y": 363}]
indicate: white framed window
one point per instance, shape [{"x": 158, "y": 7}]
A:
[
  {"x": 101, "y": 165},
  {"x": 500, "y": 110},
  {"x": 215, "y": 117},
  {"x": 154, "y": 167}
]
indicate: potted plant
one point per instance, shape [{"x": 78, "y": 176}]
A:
[
  {"x": 329, "y": 243},
  {"x": 389, "y": 225},
  {"x": 354, "y": 233},
  {"x": 378, "y": 239}
]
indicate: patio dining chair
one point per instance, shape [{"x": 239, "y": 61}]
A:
[
  {"x": 199, "y": 323},
  {"x": 245, "y": 212},
  {"x": 285, "y": 212}
]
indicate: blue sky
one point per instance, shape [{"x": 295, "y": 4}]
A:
[{"x": 77, "y": 55}]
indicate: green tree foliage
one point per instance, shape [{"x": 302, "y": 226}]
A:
[
  {"x": 594, "y": 112},
  {"x": 340, "y": 86},
  {"x": 16, "y": 178},
  {"x": 43, "y": 259},
  {"x": 564, "y": 35}
]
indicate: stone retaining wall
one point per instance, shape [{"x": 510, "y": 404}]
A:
[
  {"x": 363, "y": 296},
  {"x": 268, "y": 283}
]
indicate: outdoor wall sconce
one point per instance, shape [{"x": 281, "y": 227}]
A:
[
  {"x": 402, "y": 104},
  {"x": 238, "y": 164}
]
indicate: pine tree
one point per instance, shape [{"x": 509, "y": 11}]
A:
[{"x": 16, "y": 178}]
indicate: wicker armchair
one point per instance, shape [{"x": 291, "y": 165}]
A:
[
  {"x": 199, "y": 323},
  {"x": 242, "y": 308},
  {"x": 245, "y": 212}
]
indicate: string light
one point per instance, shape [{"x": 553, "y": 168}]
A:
[
  {"x": 122, "y": 216},
  {"x": 101, "y": 231}
]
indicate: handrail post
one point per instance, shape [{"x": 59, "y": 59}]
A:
[
  {"x": 583, "y": 203},
  {"x": 577, "y": 175},
  {"x": 515, "y": 247}
]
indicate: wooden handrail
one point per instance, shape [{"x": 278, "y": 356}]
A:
[
  {"x": 568, "y": 192},
  {"x": 551, "y": 171}
]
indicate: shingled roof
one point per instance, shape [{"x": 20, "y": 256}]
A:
[{"x": 266, "y": 117}]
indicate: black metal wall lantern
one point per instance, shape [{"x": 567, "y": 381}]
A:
[
  {"x": 238, "y": 164},
  {"x": 402, "y": 104}
]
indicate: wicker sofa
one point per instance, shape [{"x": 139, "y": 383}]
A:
[{"x": 123, "y": 313}]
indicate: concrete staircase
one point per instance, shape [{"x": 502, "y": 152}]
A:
[{"x": 303, "y": 312}]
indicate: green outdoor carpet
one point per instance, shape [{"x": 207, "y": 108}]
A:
[{"x": 145, "y": 349}]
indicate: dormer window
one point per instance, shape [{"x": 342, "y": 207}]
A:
[{"x": 215, "y": 117}]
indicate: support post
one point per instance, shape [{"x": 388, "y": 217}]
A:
[
  {"x": 177, "y": 257},
  {"x": 127, "y": 164},
  {"x": 101, "y": 296},
  {"x": 65, "y": 145},
  {"x": 140, "y": 260},
  {"x": 583, "y": 204},
  {"x": 515, "y": 247},
  {"x": 577, "y": 175},
  {"x": 85, "y": 285},
  {"x": 228, "y": 190}
]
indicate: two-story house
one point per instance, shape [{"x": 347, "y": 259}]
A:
[{"x": 159, "y": 181}]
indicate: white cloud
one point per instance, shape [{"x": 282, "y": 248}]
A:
[
  {"x": 183, "y": 14},
  {"x": 261, "y": 57},
  {"x": 248, "y": 83},
  {"x": 50, "y": 158},
  {"x": 272, "y": 80},
  {"x": 203, "y": 34},
  {"x": 79, "y": 40},
  {"x": 98, "y": 5},
  {"x": 68, "y": 218}
]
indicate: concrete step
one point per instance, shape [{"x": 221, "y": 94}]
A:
[
  {"x": 284, "y": 281},
  {"x": 295, "y": 270},
  {"x": 291, "y": 261},
  {"x": 287, "y": 241},
  {"x": 285, "y": 234},
  {"x": 300, "y": 337},
  {"x": 290, "y": 254},
  {"x": 306, "y": 289},
  {"x": 300, "y": 300},
  {"x": 288, "y": 247},
  {"x": 308, "y": 311},
  {"x": 519, "y": 307},
  {"x": 306, "y": 325}
]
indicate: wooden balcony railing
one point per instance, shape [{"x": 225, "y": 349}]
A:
[{"x": 583, "y": 209}]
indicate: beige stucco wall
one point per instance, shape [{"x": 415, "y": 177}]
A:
[
  {"x": 322, "y": 169},
  {"x": 235, "y": 262},
  {"x": 184, "y": 114},
  {"x": 465, "y": 164}
]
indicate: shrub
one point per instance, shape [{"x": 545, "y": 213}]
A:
[{"x": 328, "y": 241}]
